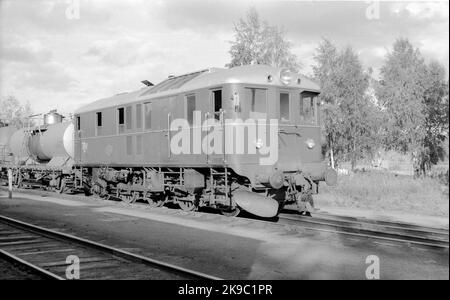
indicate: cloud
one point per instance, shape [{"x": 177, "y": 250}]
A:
[
  {"x": 202, "y": 15},
  {"x": 29, "y": 62},
  {"x": 26, "y": 53},
  {"x": 56, "y": 78},
  {"x": 422, "y": 10},
  {"x": 50, "y": 15}
]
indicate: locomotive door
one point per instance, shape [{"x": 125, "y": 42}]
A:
[
  {"x": 77, "y": 140},
  {"x": 289, "y": 134},
  {"x": 215, "y": 143}
]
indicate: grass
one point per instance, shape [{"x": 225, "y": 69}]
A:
[{"x": 384, "y": 191}]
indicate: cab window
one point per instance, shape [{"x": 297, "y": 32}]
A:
[
  {"x": 121, "y": 119},
  {"x": 217, "y": 102},
  {"x": 190, "y": 108},
  {"x": 284, "y": 107},
  {"x": 308, "y": 108},
  {"x": 98, "y": 128},
  {"x": 258, "y": 101}
]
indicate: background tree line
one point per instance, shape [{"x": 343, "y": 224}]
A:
[
  {"x": 13, "y": 113},
  {"x": 406, "y": 109}
]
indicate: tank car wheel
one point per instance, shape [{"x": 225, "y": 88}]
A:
[
  {"x": 17, "y": 183},
  {"x": 231, "y": 212}
]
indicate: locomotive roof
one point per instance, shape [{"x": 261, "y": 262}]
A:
[{"x": 249, "y": 74}]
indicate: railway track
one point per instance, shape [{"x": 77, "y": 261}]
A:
[
  {"x": 44, "y": 252},
  {"x": 386, "y": 231},
  {"x": 373, "y": 229}
]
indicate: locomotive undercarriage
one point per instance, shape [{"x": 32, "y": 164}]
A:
[{"x": 190, "y": 188}]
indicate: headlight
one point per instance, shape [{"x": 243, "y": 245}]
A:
[
  {"x": 285, "y": 76},
  {"x": 310, "y": 143}
]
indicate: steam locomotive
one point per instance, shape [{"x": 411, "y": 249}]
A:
[{"x": 245, "y": 138}]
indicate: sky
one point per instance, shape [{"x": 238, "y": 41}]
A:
[{"x": 63, "y": 54}]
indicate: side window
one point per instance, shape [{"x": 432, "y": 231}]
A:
[
  {"x": 307, "y": 108},
  {"x": 257, "y": 99},
  {"x": 78, "y": 126},
  {"x": 99, "y": 121},
  {"x": 121, "y": 119},
  {"x": 217, "y": 102},
  {"x": 148, "y": 115},
  {"x": 138, "y": 116},
  {"x": 190, "y": 108},
  {"x": 284, "y": 107},
  {"x": 78, "y": 123},
  {"x": 128, "y": 114}
]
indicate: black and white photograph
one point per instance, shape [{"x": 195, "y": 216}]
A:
[{"x": 221, "y": 148}]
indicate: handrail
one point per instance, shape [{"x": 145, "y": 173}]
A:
[
  {"x": 168, "y": 136},
  {"x": 207, "y": 141}
]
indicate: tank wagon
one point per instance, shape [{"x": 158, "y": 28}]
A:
[
  {"x": 245, "y": 138},
  {"x": 39, "y": 155}
]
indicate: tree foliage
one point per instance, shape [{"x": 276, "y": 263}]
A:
[
  {"x": 415, "y": 96},
  {"x": 350, "y": 118},
  {"x": 13, "y": 112},
  {"x": 255, "y": 41},
  {"x": 400, "y": 91},
  {"x": 436, "y": 113}
]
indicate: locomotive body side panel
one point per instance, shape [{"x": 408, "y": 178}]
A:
[{"x": 128, "y": 144}]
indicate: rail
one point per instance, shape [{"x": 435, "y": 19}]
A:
[{"x": 44, "y": 251}]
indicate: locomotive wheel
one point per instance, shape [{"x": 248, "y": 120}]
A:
[
  {"x": 156, "y": 200},
  {"x": 231, "y": 212},
  {"x": 128, "y": 198},
  {"x": 18, "y": 184},
  {"x": 17, "y": 180},
  {"x": 187, "y": 205},
  {"x": 98, "y": 191}
]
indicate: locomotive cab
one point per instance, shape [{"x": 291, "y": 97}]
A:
[{"x": 291, "y": 109}]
